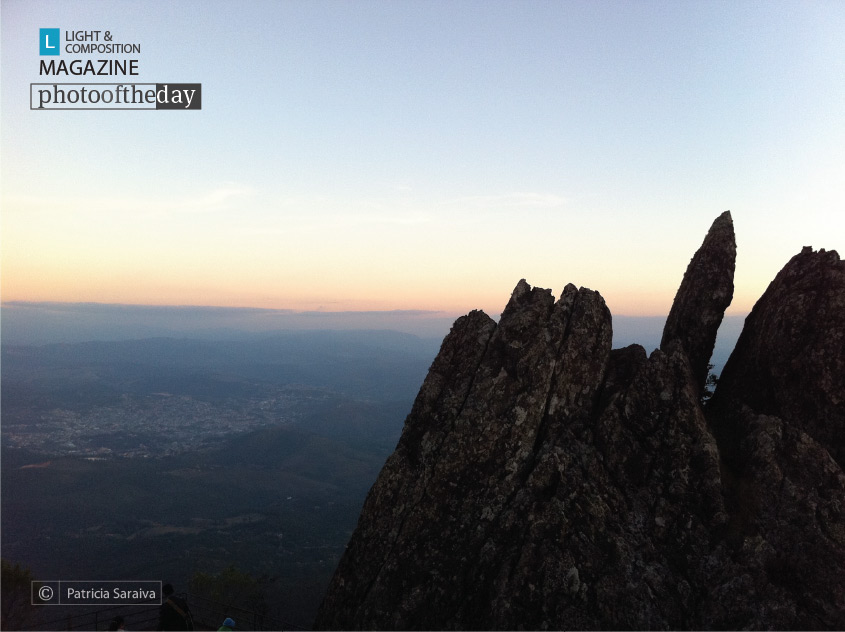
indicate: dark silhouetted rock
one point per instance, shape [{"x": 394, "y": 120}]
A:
[
  {"x": 789, "y": 360},
  {"x": 543, "y": 481},
  {"x": 705, "y": 293},
  {"x": 779, "y": 415},
  {"x": 780, "y": 563}
]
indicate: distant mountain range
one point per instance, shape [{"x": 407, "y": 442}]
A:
[{"x": 49, "y": 323}]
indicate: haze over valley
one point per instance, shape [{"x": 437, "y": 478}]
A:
[{"x": 162, "y": 457}]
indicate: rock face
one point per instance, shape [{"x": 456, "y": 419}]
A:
[
  {"x": 779, "y": 414},
  {"x": 790, "y": 358},
  {"x": 544, "y": 480},
  {"x": 704, "y": 295}
]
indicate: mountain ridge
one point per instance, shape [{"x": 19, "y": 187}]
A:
[{"x": 544, "y": 480}]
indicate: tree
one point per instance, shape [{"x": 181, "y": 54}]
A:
[
  {"x": 231, "y": 587},
  {"x": 709, "y": 384},
  {"x": 17, "y": 613}
]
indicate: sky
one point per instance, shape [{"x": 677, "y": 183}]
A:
[{"x": 423, "y": 155}]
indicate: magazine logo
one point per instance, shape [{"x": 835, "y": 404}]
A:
[
  {"x": 49, "y": 41},
  {"x": 108, "y": 46},
  {"x": 115, "y": 96}
]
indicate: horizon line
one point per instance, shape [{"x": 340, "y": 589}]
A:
[{"x": 430, "y": 313}]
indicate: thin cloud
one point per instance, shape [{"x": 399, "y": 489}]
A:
[
  {"x": 216, "y": 199},
  {"x": 524, "y": 200},
  {"x": 318, "y": 213}
]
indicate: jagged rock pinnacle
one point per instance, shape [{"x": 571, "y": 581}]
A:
[
  {"x": 543, "y": 481},
  {"x": 790, "y": 358},
  {"x": 705, "y": 292}
]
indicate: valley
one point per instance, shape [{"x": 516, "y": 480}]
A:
[{"x": 167, "y": 464}]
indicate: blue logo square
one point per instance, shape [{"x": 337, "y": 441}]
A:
[{"x": 50, "y": 41}]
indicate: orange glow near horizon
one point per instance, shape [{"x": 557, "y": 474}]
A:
[
  {"x": 358, "y": 186},
  {"x": 96, "y": 258},
  {"x": 108, "y": 286}
]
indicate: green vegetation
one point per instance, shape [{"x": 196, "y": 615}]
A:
[
  {"x": 709, "y": 384},
  {"x": 231, "y": 592},
  {"x": 16, "y": 584}
]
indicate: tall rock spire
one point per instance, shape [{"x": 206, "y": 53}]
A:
[
  {"x": 544, "y": 481},
  {"x": 706, "y": 291}
]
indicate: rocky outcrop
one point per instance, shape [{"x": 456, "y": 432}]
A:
[
  {"x": 705, "y": 293},
  {"x": 789, "y": 360},
  {"x": 472, "y": 440},
  {"x": 780, "y": 562},
  {"x": 779, "y": 416},
  {"x": 544, "y": 480}
]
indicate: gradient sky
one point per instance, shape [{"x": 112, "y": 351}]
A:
[{"x": 424, "y": 155}]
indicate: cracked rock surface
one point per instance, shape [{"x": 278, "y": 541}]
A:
[{"x": 545, "y": 481}]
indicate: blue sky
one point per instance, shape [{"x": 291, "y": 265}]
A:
[{"x": 425, "y": 155}]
